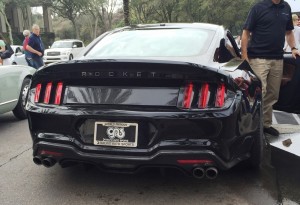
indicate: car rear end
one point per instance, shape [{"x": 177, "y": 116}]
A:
[
  {"x": 123, "y": 115},
  {"x": 137, "y": 99}
]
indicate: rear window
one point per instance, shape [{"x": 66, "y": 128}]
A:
[{"x": 153, "y": 43}]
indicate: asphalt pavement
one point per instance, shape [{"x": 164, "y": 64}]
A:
[{"x": 23, "y": 182}]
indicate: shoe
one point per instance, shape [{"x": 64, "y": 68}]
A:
[{"x": 271, "y": 131}]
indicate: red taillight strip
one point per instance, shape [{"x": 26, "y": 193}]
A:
[
  {"x": 194, "y": 161},
  {"x": 37, "y": 92},
  {"x": 58, "y": 93},
  {"x": 204, "y": 96},
  {"x": 188, "y": 93},
  {"x": 47, "y": 93},
  {"x": 46, "y": 152},
  {"x": 220, "y": 96}
]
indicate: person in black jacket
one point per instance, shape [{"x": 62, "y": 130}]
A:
[{"x": 267, "y": 25}]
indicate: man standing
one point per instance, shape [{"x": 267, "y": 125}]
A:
[
  {"x": 267, "y": 25},
  {"x": 36, "y": 47}
]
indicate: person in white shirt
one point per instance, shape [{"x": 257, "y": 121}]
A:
[{"x": 296, "y": 34}]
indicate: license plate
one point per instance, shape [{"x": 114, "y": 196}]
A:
[{"x": 118, "y": 134}]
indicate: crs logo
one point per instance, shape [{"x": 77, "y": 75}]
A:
[{"x": 115, "y": 132}]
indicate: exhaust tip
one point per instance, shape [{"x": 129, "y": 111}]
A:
[
  {"x": 48, "y": 162},
  {"x": 198, "y": 172},
  {"x": 37, "y": 160},
  {"x": 211, "y": 173}
]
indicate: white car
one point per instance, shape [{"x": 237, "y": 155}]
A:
[
  {"x": 18, "y": 58},
  {"x": 63, "y": 50}
]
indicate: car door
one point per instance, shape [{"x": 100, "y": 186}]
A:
[
  {"x": 289, "y": 96},
  {"x": 9, "y": 88}
]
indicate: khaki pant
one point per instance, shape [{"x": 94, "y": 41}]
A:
[{"x": 269, "y": 71}]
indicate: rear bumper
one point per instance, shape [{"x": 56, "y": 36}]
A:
[
  {"x": 70, "y": 137},
  {"x": 64, "y": 154}
]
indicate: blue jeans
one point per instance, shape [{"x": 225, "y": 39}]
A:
[
  {"x": 29, "y": 61},
  {"x": 37, "y": 62}
]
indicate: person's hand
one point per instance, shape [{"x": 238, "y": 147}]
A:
[
  {"x": 39, "y": 53},
  {"x": 245, "y": 57},
  {"x": 295, "y": 52}
]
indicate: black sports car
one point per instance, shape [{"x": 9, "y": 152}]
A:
[{"x": 166, "y": 95}]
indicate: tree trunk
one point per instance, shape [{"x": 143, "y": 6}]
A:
[
  {"x": 95, "y": 29},
  {"x": 9, "y": 29},
  {"x": 75, "y": 28},
  {"x": 126, "y": 12}
]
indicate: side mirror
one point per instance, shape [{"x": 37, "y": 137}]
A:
[
  {"x": 49, "y": 46},
  {"x": 74, "y": 46}
]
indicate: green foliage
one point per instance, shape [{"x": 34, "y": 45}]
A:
[{"x": 87, "y": 19}]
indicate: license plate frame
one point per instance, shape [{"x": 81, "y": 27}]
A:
[{"x": 116, "y": 134}]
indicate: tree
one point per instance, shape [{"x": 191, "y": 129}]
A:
[
  {"x": 143, "y": 11},
  {"x": 126, "y": 12},
  {"x": 70, "y": 9},
  {"x": 3, "y": 4}
]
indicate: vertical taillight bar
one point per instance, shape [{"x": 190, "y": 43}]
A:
[
  {"x": 220, "y": 95},
  {"x": 204, "y": 95},
  {"x": 188, "y": 94},
  {"x": 58, "y": 93},
  {"x": 47, "y": 93},
  {"x": 37, "y": 92}
]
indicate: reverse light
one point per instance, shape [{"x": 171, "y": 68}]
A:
[
  {"x": 188, "y": 94},
  {"x": 220, "y": 95},
  {"x": 47, "y": 93},
  {"x": 204, "y": 95},
  {"x": 37, "y": 92},
  {"x": 58, "y": 93}
]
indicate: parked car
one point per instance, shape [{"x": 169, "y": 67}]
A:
[
  {"x": 14, "y": 85},
  {"x": 18, "y": 58},
  {"x": 166, "y": 95},
  {"x": 63, "y": 50}
]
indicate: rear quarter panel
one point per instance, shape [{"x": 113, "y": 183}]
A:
[{"x": 11, "y": 79}]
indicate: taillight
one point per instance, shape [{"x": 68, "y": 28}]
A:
[
  {"x": 37, "y": 92},
  {"x": 204, "y": 95},
  {"x": 188, "y": 94},
  {"x": 58, "y": 93},
  {"x": 220, "y": 96},
  {"x": 47, "y": 93}
]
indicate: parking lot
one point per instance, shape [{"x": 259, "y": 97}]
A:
[{"x": 23, "y": 182}]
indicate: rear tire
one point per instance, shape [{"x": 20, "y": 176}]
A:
[
  {"x": 257, "y": 149},
  {"x": 19, "y": 110}
]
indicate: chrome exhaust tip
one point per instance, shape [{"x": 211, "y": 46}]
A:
[
  {"x": 211, "y": 173},
  {"x": 198, "y": 172},
  {"x": 37, "y": 160},
  {"x": 48, "y": 162}
]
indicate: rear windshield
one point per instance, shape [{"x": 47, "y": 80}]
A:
[{"x": 153, "y": 43}]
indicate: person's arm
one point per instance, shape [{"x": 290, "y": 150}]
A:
[
  {"x": 30, "y": 49},
  {"x": 291, "y": 41},
  {"x": 2, "y": 46},
  {"x": 244, "y": 44}
]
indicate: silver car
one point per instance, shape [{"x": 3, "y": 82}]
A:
[{"x": 14, "y": 84}]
